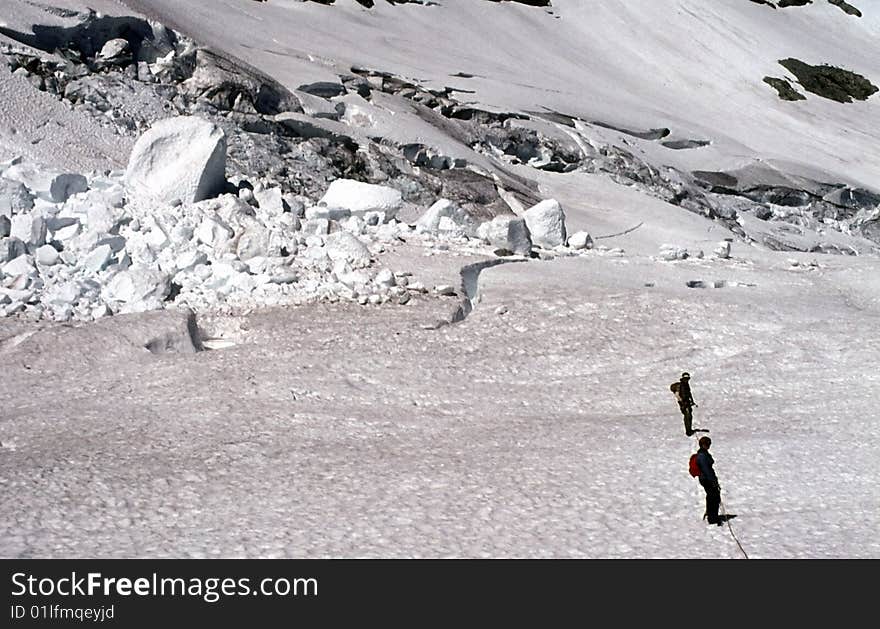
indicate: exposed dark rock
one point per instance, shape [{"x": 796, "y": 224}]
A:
[
  {"x": 830, "y": 82},
  {"x": 784, "y": 89},
  {"x": 846, "y": 7}
]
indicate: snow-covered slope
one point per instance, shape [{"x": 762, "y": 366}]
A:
[
  {"x": 691, "y": 66},
  {"x": 378, "y": 385},
  {"x": 541, "y": 426}
]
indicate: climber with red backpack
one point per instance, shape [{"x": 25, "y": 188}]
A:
[{"x": 701, "y": 465}]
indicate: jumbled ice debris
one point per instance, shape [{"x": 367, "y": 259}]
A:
[{"x": 172, "y": 230}]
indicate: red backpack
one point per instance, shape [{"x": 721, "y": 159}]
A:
[{"x": 693, "y": 467}]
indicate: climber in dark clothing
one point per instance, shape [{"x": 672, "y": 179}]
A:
[
  {"x": 709, "y": 481},
  {"x": 686, "y": 402}
]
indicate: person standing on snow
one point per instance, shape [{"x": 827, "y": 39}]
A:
[
  {"x": 686, "y": 402},
  {"x": 709, "y": 481}
]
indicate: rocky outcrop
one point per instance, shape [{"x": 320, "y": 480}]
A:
[
  {"x": 784, "y": 89},
  {"x": 846, "y": 7},
  {"x": 829, "y": 81}
]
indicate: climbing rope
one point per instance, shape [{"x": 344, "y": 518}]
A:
[{"x": 730, "y": 528}]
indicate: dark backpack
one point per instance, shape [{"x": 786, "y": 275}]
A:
[
  {"x": 693, "y": 466},
  {"x": 674, "y": 387}
]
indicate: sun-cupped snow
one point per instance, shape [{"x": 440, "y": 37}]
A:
[{"x": 487, "y": 233}]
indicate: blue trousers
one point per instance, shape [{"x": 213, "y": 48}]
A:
[{"x": 713, "y": 501}]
